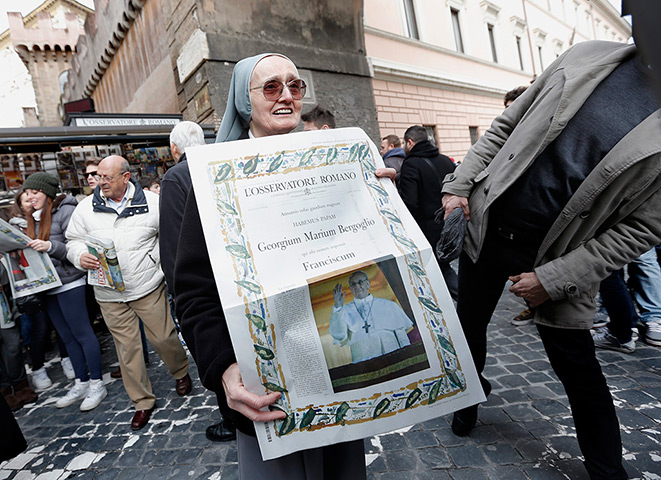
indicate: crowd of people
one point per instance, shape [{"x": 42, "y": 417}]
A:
[{"x": 559, "y": 197}]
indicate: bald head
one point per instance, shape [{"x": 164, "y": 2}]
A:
[
  {"x": 114, "y": 177},
  {"x": 116, "y": 162}
]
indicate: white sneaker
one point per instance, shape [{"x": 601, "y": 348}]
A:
[
  {"x": 95, "y": 394},
  {"x": 653, "y": 334},
  {"x": 77, "y": 392},
  {"x": 67, "y": 368},
  {"x": 40, "y": 379}
]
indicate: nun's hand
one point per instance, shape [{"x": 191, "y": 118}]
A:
[
  {"x": 390, "y": 173},
  {"x": 246, "y": 403}
]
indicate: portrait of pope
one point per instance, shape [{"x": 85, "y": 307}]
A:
[{"x": 369, "y": 325}]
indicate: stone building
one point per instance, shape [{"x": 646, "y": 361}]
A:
[
  {"x": 159, "y": 56},
  {"x": 447, "y": 64},
  {"x": 45, "y": 41}
]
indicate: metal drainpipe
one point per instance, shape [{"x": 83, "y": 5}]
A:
[{"x": 532, "y": 56}]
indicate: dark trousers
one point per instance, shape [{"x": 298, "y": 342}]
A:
[
  {"x": 68, "y": 312},
  {"x": 12, "y": 370},
  {"x": 571, "y": 352},
  {"x": 40, "y": 339},
  {"x": 618, "y": 303}
]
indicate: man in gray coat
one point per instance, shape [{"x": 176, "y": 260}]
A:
[{"x": 561, "y": 190}]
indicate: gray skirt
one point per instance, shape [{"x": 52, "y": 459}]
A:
[{"x": 343, "y": 461}]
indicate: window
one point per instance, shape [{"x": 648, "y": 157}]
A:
[
  {"x": 474, "y": 133},
  {"x": 518, "y": 49},
  {"x": 541, "y": 61},
  {"x": 411, "y": 24},
  {"x": 492, "y": 42},
  {"x": 458, "y": 42},
  {"x": 63, "y": 79}
]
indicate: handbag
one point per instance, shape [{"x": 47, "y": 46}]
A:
[{"x": 30, "y": 304}]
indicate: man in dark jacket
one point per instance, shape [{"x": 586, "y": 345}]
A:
[
  {"x": 420, "y": 180},
  {"x": 393, "y": 154},
  {"x": 174, "y": 190},
  {"x": 175, "y": 186}
]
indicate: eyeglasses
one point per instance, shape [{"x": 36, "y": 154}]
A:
[
  {"x": 272, "y": 89},
  {"x": 92, "y": 174},
  {"x": 358, "y": 283},
  {"x": 107, "y": 179}
]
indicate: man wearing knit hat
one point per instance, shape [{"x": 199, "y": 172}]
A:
[{"x": 121, "y": 211}]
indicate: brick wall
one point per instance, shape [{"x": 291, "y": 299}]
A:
[{"x": 451, "y": 112}]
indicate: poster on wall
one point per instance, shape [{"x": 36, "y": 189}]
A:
[
  {"x": 9, "y": 163},
  {"x": 358, "y": 333},
  {"x": 31, "y": 162},
  {"x": 13, "y": 180},
  {"x": 68, "y": 178}
]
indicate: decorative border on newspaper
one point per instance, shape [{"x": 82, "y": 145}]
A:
[
  {"x": 426, "y": 391},
  {"x": 38, "y": 283}
]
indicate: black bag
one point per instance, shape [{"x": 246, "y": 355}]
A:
[{"x": 30, "y": 304}]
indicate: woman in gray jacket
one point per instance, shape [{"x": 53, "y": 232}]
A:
[{"x": 66, "y": 304}]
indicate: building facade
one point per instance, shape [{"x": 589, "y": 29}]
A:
[
  {"x": 447, "y": 64},
  {"x": 34, "y": 52},
  {"x": 45, "y": 42},
  {"x": 159, "y": 56}
]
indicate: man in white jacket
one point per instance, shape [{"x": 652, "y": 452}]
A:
[{"x": 122, "y": 212}]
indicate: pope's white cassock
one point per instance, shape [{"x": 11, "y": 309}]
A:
[{"x": 370, "y": 326}]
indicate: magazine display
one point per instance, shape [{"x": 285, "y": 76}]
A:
[
  {"x": 108, "y": 274},
  {"x": 29, "y": 271},
  {"x": 331, "y": 292}
]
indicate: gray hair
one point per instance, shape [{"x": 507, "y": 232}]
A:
[
  {"x": 124, "y": 166},
  {"x": 187, "y": 134}
]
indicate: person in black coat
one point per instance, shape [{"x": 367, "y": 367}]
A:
[
  {"x": 268, "y": 101},
  {"x": 175, "y": 186},
  {"x": 422, "y": 174},
  {"x": 12, "y": 441}
]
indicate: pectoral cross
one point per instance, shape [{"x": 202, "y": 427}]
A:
[{"x": 366, "y": 326}]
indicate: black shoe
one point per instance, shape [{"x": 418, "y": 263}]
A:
[
  {"x": 218, "y": 433},
  {"x": 464, "y": 420}
]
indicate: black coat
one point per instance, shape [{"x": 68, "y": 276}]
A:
[
  {"x": 175, "y": 186},
  {"x": 198, "y": 307},
  {"x": 200, "y": 312},
  {"x": 12, "y": 441},
  {"x": 420, "y": 186}
]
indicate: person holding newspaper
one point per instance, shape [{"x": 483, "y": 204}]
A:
[
  {"x": 265, "y": 98},
  {"x": 65, "y": 304},
  {"x": 121, "y": 215}
]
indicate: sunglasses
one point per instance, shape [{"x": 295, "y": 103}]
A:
[
  {"x": 272, "y": 89},
  {"x": 93, "y": 174}
]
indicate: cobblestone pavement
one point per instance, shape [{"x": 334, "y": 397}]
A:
[{"x": 525, "y": 429}]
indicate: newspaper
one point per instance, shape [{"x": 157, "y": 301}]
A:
[
  {"x": 108, "y": 274},
  {"x": 331, "y": 292},
  {"x": 29, "y": 271}
]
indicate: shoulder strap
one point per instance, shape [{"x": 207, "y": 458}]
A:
[{"x": 433, "y": 167}]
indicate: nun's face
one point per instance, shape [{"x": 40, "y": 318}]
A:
[{"x": 273, "y": 117}]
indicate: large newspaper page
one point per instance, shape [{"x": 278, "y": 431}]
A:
[
  {"x": 331, "y": 292},
  {"x": 29, "y": 271}
]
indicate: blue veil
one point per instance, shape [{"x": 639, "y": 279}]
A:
[{"x": 239, "y": 109}]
